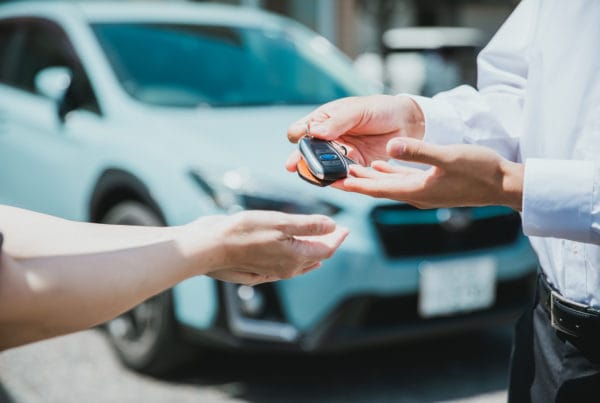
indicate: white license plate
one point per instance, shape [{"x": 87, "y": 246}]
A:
[{"x": 458, "y": 286}]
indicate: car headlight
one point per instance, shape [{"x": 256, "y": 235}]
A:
[{"x": 235, "y": 190}]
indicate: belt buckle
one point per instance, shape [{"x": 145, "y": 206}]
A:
[{"x": 553, "y": 321}]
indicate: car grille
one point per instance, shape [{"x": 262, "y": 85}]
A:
[{"x": 407, "y": 231}]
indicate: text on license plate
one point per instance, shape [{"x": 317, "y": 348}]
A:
[{"x": 456, "y": 286}]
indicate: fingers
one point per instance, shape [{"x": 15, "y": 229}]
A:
[
  {"x": 329, "y": 121},
  {"x": 383, "y": 171},
  {"x": 386, "y": 167},
  {"x": 252, "y": 278},
  {"x": 240, "y": 277},
  {"x": 326, "y": 128},
  {"x": 320, "y": 247},
  {"x": 363, "y": 172},
  {"x": 334, "y": 126},
  {"x": 280, "y": 245},
  {"x": 288, "y": 224},
  {"x": 299, "y": 128},
  {"x": 413, "y": 150},
  {"x": 311, "y": 268},
  {"x": 374, "y": 187},
  {"x": 302, "y": 225},
  {"x": 292, "y": 161}
]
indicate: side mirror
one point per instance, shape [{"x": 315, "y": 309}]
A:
[{"x": 53, "y": 82}]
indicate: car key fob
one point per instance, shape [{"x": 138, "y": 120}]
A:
[
  {"x": 321, "y": 163},
  {"x": 304, "y": 173}
]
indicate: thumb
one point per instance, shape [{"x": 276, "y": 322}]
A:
[{"x": 413, "y": 150}]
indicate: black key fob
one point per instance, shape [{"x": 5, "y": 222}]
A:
[{"x": 321, "y": 164}]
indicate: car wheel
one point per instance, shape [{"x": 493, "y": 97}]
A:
[{"x": 146, "y": 338}]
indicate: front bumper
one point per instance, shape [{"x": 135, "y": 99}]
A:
[
  {"x": 367, "y": 320},
  {"x": 361, "y": 321}
]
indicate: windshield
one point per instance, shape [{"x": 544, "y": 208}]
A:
[{"x": 193, "y": 65}]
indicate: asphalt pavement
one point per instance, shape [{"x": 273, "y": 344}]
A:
[{"x": 82, "y": 368}]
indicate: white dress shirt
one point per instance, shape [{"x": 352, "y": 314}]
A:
[{"x": 539, "y": 103}]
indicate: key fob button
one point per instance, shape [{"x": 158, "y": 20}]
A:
[{"x": 328, "y": 157}]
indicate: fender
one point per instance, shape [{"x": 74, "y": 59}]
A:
[
  {"x": 115, "y": 185},
  {"x": 195, "y": 301}
]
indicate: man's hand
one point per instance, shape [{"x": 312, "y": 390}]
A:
[
  {"x": 261, "y": 246},
  {"x": 364, "y": 125},
  {"x": 460, "y": 175}
]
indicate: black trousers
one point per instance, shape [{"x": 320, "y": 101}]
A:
[{"x": 549, "y": 366}]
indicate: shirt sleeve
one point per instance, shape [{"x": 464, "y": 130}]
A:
[
  {"x": 561, "y": 199},
  {"x": 490, "y": 116}
]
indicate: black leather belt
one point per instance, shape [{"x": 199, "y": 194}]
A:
[{"x": 572, "y": 318}]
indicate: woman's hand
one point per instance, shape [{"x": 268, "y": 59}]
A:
[{"x": 252, "y": 247}]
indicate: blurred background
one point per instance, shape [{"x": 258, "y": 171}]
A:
[
  {"x": 143, "y": 113},
  {"x": 415, "y": 61}
]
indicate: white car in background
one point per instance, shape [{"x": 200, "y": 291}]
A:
[{"x": 156, "y": 114}]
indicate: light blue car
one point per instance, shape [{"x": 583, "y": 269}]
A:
[{"x": 156, "y": 114}]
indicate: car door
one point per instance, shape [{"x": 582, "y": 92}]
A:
[{"x": 40, "y": 157}]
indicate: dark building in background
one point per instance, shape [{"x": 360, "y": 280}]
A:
[{"x": 356, "y": 26}]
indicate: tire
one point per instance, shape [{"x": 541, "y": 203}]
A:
[{"x": 146, "y": 338}]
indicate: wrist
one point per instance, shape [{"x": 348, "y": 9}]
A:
[
  {"x": 202, "y": 245},
  {"x": 512, "y": 184}
]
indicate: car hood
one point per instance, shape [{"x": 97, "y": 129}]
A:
[{"x": 249, "y": 140}]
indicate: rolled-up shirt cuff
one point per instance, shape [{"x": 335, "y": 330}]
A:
[
  {"x": 557, "y": 198},
  {"x": 442, "y": 124}
]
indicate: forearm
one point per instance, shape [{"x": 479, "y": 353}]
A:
[
  {"x": 30, "y": 234},
  {"x": 42, "y": 297},
  {"x": 58, "y": 276}
]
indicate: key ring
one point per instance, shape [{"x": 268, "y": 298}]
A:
[
  {"x": 343, "y": 147},
  {"x": 340, "y": 146}
]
